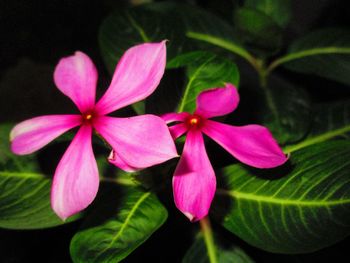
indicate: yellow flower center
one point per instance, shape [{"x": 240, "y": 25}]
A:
[
  {"x": 194, "y": 121},
  {"x": 88, "y": 117}
]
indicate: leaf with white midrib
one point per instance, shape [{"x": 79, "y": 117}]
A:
[
  {"x": 299, "y": 211},
  {"x": 125, "y": 223},
  {"x": 208, "y": 71},
  {"x": 121, "y": 220},
  {"x": 24, "y": 190},
  {"x": 185, "y": 98},
  {"x": 127, "y": 27},
  {"x": 325, "y": 53},
  {"x": 330, "y": 120}
]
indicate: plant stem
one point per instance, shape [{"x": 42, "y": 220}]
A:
[
  {"x": 316, "y": 139},
  {"x": 263, "y": 74},
  {"x": 208, "y": 239},
  {"x": 228, "y": 45},
  {"x": 305, "y": 53}
]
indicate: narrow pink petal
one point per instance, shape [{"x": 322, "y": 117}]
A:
[
  {"x": 173, "y": 117},
  {"x": 33, "y": 134},
  {"x": 140, "y": 141},
  {"x": 194, "y": 181},
  {"x": 137, "y": 75},
  {"x": 217, "y": 101},
  {"x": 252, "y": 144},
  {"x": 177, "y": 130},
  {"x": 76, "y": 77},
  {"x": 115, "y": 159},
  {"x": 76, "y": 180}
]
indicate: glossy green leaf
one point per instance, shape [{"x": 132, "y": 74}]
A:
[
  {"x": 259, "y": 32},
  {"x": 199, "y": 71},
  {"x": 325, "y": 53},
  {"x": 226, "y": 253},
  {"x": 125, "y": 28},
  {"x": 299, "y": 208},
  {"x": 171, "y": 21},
  {"x": 329, "y": 120},
  {"x": 185, "y": 59},
  {"x": 278, "y": 10},
  {"x": 287, "y": 111},
  {"x": 210, "y": 71},
  {"x": 122, "y": 220},
  {"x": 24, "y": 190}
]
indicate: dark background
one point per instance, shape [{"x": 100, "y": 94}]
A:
[{"x": 35, "y": 34}]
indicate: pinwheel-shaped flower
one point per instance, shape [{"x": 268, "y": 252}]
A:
[
  {"x": 138, "y": 142},
  {"x": 194, "y": 181}
]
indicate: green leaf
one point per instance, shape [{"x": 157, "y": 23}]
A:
[
  {"x": 287, "y": 111},
  {"x": 124, "y": 218},
  {"x": 185, "y": 59},
  {"x": 330, "y": 120},
  {"x": 139, "y": 107},
  {"x": 171, "y": 21},
  {"x": 210, "y": 71},
  {"x": 325, "y": 53},
  {"x": 24, "y": 190},
  {"x": 298, "y": 208},
  {"x": 258, "y": 31},
  {"x": 279, "y": 11},
  {"x": 226, "y": 253},
  {"x": 180, "y": 87},
  {"x": 125, "y": 28}
]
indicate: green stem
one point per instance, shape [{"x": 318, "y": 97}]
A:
[
  {"x": 208, "y": 239},
  {"x": 262, "y": 72},
  {"x": 230, "y": 46},
  {"x": 263, "y": 78},
  {"x": 306, "y": 53},
  {"x": 316, "y": 139},
  {"x": 138, "y": 28}
]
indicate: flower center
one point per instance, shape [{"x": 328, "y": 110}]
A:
[
  {"x": 88, "y": 117},
  {"x": 194, "y": 121}
]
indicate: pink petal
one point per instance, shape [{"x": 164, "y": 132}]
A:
[
  {"x": 115, "y": 159},
  {"x": 76, "y": 180},
  {"x": 76, "y": 77},
  {"x": 137, "y": 75},
  {"x": 194, "y": 181},
  {"x": 251, "y": 144},
  {"x": 177, "y": 130},
  {"x": 217, "y": 101},
  {"x": 33, "y": 134},
  {"x": 173, "y": 117},
  {"x": 140, "y": 141}
]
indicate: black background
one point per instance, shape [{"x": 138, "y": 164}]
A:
[{"x": 35, "y": 34}]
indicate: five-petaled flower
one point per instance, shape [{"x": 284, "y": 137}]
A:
[
  {"x": 194, "y": 181},
  {"x": 138, "y": 142}
]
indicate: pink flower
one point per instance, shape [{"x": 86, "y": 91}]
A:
[
  {"x": 139, "y": 142},
  {"x": 194, "y": 181}
]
